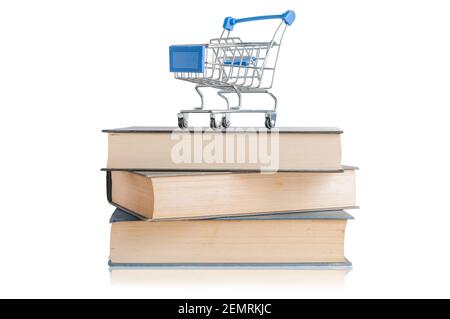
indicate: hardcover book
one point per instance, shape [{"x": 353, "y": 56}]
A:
[
  {"x": 280, "y": 240},
  {"x": 234, "y": 149},
  {"x": 174, "y": 195}
]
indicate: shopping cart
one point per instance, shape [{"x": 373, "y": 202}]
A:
[{"x": 232, "y": 67}]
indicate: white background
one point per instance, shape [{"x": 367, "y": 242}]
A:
[{"x": 380, "y": 70}]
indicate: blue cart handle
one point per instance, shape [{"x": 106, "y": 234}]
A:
[{"x": 288, "y": 17}]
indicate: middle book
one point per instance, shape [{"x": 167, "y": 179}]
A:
[{"x": 179, "y": 195}]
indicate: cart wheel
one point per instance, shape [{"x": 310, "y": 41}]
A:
[
  {"x": 270, "y": 120},
  {"x": 214, "y": 123},
  {"x": 182, "y": 122},
  {"x": 226, "y": 122}
]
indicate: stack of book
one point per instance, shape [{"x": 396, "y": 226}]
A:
[{"x": 228, "y": 197}]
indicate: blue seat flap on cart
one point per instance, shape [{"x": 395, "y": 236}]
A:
[
  {"x": 187, "y": 58},
  {"x": 240, "y": 61}
]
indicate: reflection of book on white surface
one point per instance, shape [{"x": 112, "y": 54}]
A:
[
  {"x": 232, "y": 277},
  {"x": 286, "y": 240}
]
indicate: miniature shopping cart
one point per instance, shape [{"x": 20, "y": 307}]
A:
[{"x": 232, "y": 67}]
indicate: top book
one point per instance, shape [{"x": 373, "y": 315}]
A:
[{"x": 233, "y": 149}]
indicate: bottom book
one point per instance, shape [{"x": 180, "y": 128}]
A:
[{"x": 306, "y": 239}]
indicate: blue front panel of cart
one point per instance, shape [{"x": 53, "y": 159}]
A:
[{"x": 187, "y": 58}]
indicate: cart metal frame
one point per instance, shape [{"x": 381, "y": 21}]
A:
[{"x": 232, "y": 66}]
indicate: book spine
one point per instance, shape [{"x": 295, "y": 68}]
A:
[
  {"x": 109, "y": 187},
  {"x": 109, "y": 197}
]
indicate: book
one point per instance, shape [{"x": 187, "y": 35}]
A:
[
  {"x": 174, "y": 195},
  {"x": 285, "y": 239},
  {"x": 233, "y": 149}
]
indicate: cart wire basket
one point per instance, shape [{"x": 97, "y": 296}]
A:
[{"x": 232, "y": 67}]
